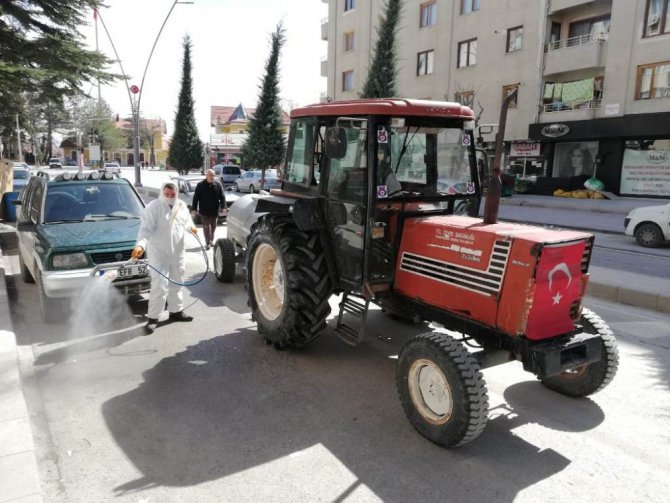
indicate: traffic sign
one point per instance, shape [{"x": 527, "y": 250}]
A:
[{"x": 134, "y": 89}]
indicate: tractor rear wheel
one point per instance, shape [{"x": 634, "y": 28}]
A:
[
  {"x": 588, "y": 379},
  {"x": 288, "y": 282},
  {"x": 442, "y": 389},
  {"x": 224, "y": 260}
]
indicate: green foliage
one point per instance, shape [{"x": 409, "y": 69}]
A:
[
  {"x": 381, "y": 81},
  {"x": 265, "y": 147},
  {"x": 186, "y": 149},
  {"x": 41, "y": 50},
  {"x": 43, "y": 61}
]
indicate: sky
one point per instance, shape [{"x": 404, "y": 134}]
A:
[{"x": 231, "y": 42}]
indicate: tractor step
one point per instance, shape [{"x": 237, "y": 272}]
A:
[{"x": 356, "y": 306}]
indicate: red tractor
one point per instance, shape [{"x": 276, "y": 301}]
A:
[{"x": 379, "y": 203}]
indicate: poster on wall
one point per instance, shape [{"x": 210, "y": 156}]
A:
[
  {"x": 645, "y": 172},
  {"x": 575, "y": 158}
]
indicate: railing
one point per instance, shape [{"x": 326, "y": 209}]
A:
[
  {"x": 575, "y": 41},
  {"x": 562, "y": 106}
]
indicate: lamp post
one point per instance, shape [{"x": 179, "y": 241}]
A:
[{"x": 137, "y": 91}]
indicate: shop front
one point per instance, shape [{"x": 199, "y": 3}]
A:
[{"x": 629, "y": 154}]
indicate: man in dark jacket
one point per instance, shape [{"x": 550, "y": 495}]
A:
[{"x": 207, "y": 200}]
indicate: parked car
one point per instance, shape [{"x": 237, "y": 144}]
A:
[
  {"x": 54, "y": 162},
  {"x": 70, "y": 162},
  {"x": 70, "y": 223},
  {"x": 21, "y": 175},
  {"x": 186, "y": 187},
  {"x": 251, "y": 181},
  {"x": 227, "y": 173},
  {"x": 112, "y": 167},
  {"x": 650, "y": 225}
]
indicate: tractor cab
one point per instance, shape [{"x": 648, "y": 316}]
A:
[{"x": 375, "y": 164}]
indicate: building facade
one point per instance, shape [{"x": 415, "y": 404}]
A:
[
  {"x": 593, "y": 79},
  {"x": 231, "y": 129}
]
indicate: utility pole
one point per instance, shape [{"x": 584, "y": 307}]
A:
[{"x": 18, "y": 139}]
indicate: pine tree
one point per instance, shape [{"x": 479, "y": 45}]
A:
[
  {"x": 186, "y": 149},
  {"x": 383, "y": 72},
  {"x": 265, "y": 148},
  {"x": 42, "y": 53}
]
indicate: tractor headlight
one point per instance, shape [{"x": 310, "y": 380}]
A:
[{"x": 69, "y": 260}]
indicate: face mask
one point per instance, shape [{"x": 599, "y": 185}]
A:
[{"x": 170, "y": 200}]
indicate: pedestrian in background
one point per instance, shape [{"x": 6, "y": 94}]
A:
[
  {"x": 208, "y": 199},
  {"x": 163, "y": 227}
]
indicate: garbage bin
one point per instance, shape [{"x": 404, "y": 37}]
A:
[{"x": 8, "y": 209}]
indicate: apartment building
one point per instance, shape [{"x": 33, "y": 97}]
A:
[{"x": 593, "y": 79}]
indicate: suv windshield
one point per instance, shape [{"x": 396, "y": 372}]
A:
[{"x": 102, "y": 201}]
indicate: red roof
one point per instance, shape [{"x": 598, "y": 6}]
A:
[
  {"x": 397, "y": 107},
  {"x": 222, "y": 115}
]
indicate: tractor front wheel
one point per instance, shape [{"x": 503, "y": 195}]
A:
[
  {"x": 442, "y": 389},
  {"x": 288, "y": 282},
  {"x": 587, "y": 379}
]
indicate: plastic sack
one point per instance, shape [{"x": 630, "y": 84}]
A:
[{"x": 594, "y": 184}]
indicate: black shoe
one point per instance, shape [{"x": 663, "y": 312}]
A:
[
  {"x": 152, "y": 324},
  {"x": 180, "y": 316}
]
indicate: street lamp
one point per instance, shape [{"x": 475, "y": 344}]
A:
[{"x": 137, "y": 91}]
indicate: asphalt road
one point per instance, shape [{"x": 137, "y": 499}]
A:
[{"x": 206, "y": 411}]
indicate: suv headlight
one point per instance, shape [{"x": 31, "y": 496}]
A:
[{"x": 69, "y": 260}]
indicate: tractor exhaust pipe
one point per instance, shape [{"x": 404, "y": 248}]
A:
[{"x": 494, "y": 188}]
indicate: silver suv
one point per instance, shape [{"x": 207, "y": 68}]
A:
[{"x": 227, "y": 173}]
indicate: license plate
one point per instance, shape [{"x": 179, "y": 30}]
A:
[{"x": 132, "y": 271}]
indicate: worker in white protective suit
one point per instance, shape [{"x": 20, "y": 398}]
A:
[{"x": 162, "y": 229}]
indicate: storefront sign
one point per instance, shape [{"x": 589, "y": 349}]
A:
[
  {"x": 524, "y": 149},
  {"x": 555, "y": 130},
  {"x": 645, "y": 172}
]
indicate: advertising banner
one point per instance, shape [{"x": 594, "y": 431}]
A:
[
  {"x": 645, "y": 172},
  {"x": 94, "y": 152},
  {"x": 524, "y": 149}
]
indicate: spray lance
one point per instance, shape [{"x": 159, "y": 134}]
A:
[{"x": 111, "y": 270}]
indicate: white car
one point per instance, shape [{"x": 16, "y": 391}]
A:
[
  {"x": 112, "y": 167},
  {"x": 54, "y": 162},
  {"x": 650, "y": 225}
]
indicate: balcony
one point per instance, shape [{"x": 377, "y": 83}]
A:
[
  {"x": 324, "y": 28},
  {"x": 324, "y": 66},
  {"x": 577, "y": 53},
  {"x": 570, "y": 111},
  {"x": 558, "y": 5}
]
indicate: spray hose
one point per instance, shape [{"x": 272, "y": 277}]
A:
[{"x": 102, "y": 269}]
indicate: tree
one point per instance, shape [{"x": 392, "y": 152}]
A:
[
  {"x": 186, "y": 149},
  {"x": 42, "y": 53},
  {"x": 265, "y": 147},
  {"x": 383, "y": 72}
]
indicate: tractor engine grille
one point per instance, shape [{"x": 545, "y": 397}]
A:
[{"x": 486, "y": 282}]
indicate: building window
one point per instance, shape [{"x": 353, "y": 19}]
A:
[
  {"x": 349, "y": 5},
  {"x": 349, "y": 41},
  {"x": 657, "y": 19},
  {"x": 425, "y": 63},
  {"x": 507, "y": 90},
  {"x": 428, "y": 14},
  {"x": 469, "y": 6},
  {"x": 588, "y": 30},
  {"x": 467, "y": 53},
  {"x": 514, "y": 36},
  {"x": 348, "y": 80},
  {"x": 466, "y": 98},
  {"x": 653, "y": 81}
]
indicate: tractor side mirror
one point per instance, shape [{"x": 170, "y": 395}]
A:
[{"x": 336, "y": 142}]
